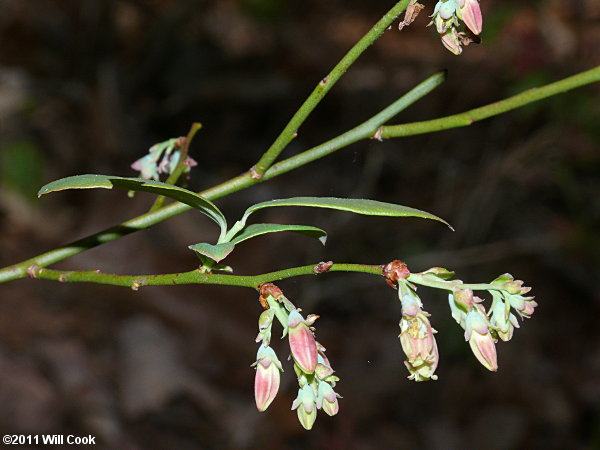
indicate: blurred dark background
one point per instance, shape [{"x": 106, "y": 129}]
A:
[{"x": 88, "y": 86}]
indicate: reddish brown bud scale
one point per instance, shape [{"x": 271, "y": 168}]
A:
[
  {"x": 265, "y": 290},
  {"x": 323, "y": 267},
  {"x": 394, "y": 271}
]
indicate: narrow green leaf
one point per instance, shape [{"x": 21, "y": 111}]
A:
[
  {"x": 138, "y": 184},
  {"x": 263, "y": 228},
  {"x": 216, "y": 252},
  {"x": 357, "y": 206}
]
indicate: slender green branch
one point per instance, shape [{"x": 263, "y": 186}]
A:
[
  {"x": 135, "y": 282},
  {"x": 324, "y": 86},
  {"x": 181, "y": 164},
  {"x": 245, "y": 180},
  {"x": 370, "y": 129},
  {"x": 429, "y": 281},
  {"x": 493, "y": 109},
  {"x": 193, "y": 277}
]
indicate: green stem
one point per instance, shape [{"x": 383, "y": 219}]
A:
[
  {"x": 245, "y": 180},
  {"x": 469, "y": 117},
  {"x": 193, "y": 277},
  {"x": 429, "y": 281},
  {"x": 181, "y": 164},
  {"x": 371, "y": 129},
  {"x": 324, "y": 86},
  {"x": 251, "y": 281}
]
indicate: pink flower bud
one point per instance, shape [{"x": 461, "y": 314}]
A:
[
  {"x": 525, "y": 306},
  {"x": 451, "y": 41},
  {"x": 481, "y": 340},
  {"x": 327, "y": 399},
  {"x": 266, "y": 381},
  {"x": 471, "y": 16},
  {"x": 302, "y": 342}
]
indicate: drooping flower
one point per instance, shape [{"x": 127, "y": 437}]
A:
[
  {"x": 447, "y": 16},
  {"x": 266, "y": 381},
  {"x": 524, "y": 306},
  {"x": 451, "y": 41},
  {"x": 417, "y": 340},
  {"x": 470, "y": 13},
  {"x": 327, "y": 399},
  {"x": 302, "y": 342},
  {"x": 481, "y": 341},
  {"x": 502, "y": 320},
  {"x": 306, "y": 406}
]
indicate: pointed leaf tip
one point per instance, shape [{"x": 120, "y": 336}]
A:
[{"x": 354, "y": 205}]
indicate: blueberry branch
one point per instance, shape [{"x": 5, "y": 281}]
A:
[
  {"x": 246, "y": 180},
  {"x": 324, "y": 86},
  {"x": 251, "y": 281}
]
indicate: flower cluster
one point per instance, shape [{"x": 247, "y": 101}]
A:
[
  {"x": 316, "y": 379},
  {"x": 417, "y": 336},
  {"x": 162, "y": 158},
  {"x": 447, "y": 16},
  {"x": 315, "y": 375},
  {"x": 416, "y": 333},
  {"x": 482, "y": 329}
]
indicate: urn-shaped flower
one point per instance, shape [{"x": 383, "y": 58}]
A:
[{"x": 302, "y": 342}]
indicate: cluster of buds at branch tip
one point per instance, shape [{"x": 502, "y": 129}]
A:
[
  {"x": 162, "y": 158},
  {"x": 483, "y": 329},
  {"x": 513, "y": 297},
  {"x": 447, "y": 16},
  {"x": 316, "y": 378}
]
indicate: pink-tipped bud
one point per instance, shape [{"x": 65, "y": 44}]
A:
[
  {"x": 480, "y": 340},
  {"x": 266, "y": 381},
  {"x": 525, "y": 306},
  {"x": 451, "y": 41},
  {"x": 327, "y": 399},
  {"x": 302, "y": 342},
  {"x": 305, "y": 405},
  {"x": 471, "y": 16},
  {"x": 516, "y": 287}
]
